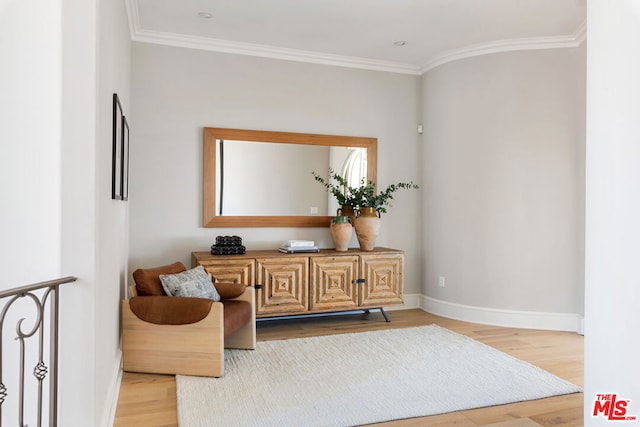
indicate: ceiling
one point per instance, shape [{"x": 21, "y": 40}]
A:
[{"x": 361, "y": 33}]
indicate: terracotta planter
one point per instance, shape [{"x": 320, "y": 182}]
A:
[
  {"x": 367, "y": 226},
  {"x": 341, "y": 232}
]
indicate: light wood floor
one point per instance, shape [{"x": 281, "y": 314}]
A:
[{"x": 150, "y": 400}]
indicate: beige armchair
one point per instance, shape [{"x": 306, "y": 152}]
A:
[{"x": 172, "y": 335}]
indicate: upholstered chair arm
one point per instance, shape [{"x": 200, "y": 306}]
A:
[
  {"x": 245, "y": 337},
  {"x": 241, "y": 292},
  {"x": 248, "y": 295},
  {"x": 229, "y": 290}
]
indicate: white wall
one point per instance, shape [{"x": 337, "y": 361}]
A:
[
  {"x": 612, "y": 206},
  {"x": 96, "y": 52},
  {"x": 30, "y": 42},
  {"x": 112, "y": 216},
  {"x": 176, "y": 92},
  {"x": 59, "y": 69},
  {"x": 503, "y": 168},
  {"x": 78, "y": 238}
]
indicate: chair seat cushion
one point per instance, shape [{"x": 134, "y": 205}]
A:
[
  {"x": 163, "y": 310},
  {"x": 236, "y": 315}
]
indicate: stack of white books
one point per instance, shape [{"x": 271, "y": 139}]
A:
[{"x": 298, "y": 246}]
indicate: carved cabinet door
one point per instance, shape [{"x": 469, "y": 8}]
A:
[
  {"x": 285, "y": 282},
  {"x": 383, "y": 281},
  {"x": 230, "y": 270},
  {"x": 332, "y": 286}
]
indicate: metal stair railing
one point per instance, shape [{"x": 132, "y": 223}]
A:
[{"x": 46, "y": 298}]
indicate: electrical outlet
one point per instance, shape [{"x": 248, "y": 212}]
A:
[{"x": 441, "y": 281}]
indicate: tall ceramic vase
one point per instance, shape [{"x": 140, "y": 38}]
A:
[
  {"x": 367, "y": 226},
  {"x": 341, "y": 232}
]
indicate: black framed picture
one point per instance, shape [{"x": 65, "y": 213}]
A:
[
  {"x": 117, "y": 150},
  {"x": 124, "y": 180}
]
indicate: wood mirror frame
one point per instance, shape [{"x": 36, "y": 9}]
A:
[{"x": 211, "y": 135}]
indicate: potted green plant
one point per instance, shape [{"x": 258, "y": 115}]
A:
[
  {"x": 348, "y": 198},
  {"x": 341, "y": 226},
  {"x": 365, "y": 201},
  {"x": 367, "y": 223},
  {"x": 379, "y": 202}
]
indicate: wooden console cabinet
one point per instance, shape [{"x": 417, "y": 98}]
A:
[{"x": 327, "y": 281}]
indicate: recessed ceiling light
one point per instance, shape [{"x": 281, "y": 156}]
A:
[
  {"x": 205, "y": 15},
  {"x": 400, "y": 43}
]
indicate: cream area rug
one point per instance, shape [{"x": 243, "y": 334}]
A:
[{"x": 360, "y": 378}]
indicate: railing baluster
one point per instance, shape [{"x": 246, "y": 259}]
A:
[
  {"x": 40, "y": 370},
  {"x": 21, "y": 381},
  {"x": 53, "y": 357}
]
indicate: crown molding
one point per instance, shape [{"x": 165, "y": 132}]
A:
[
  {"x": 265, "y": 51},
  {"x": 532, "y": 43},
  {"x": 239, "y": 48},
  {"x": 133, "y": 17}
]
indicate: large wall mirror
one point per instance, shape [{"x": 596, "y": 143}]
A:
[{"x": 264, "y": 179}]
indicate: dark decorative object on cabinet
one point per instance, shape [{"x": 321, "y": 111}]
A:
[{"x": 228, "y": 245}]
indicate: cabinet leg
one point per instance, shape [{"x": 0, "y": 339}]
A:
[{"x": 386, "y": 318}]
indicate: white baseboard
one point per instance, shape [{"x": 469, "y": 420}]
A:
[
  {"x": 114, "y": 392},
  {"x": 509, "y": 318},
  {"x": 410, "y": 301}
]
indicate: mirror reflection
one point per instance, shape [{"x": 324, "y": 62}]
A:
[
  {"x": 264, "y": 178},
  {"x": 280, "y": 181}
]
